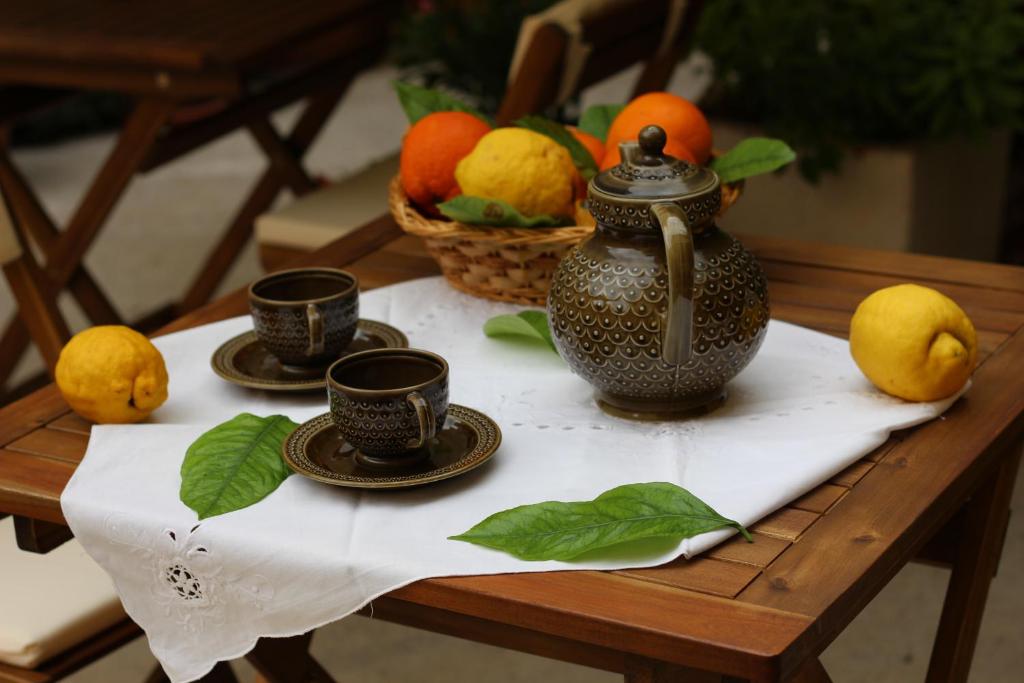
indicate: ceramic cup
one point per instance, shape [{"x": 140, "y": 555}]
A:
[
  {"x": 305, "y": 316},
  {"x": 388, "y": 403}
]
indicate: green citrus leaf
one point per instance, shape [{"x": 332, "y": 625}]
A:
[
  {"x": 235, "y": 464},
  {"x": 581, "y": 158},
  {"x": 562, "y": 531},
  {"x": 752, "y": 156},
  {"x": 418, "y": 102},
  {"x": 494, "y": 212},
  {"x": 525, "y": 324},
  {"x": 597, "y": 119}
]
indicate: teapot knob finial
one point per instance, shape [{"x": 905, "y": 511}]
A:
[{"x": 653, "y": 140}]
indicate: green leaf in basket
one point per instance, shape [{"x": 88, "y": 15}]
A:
[
  {"x": 597, "y": 119},
  {"x": 235, "y": 464},
  {"x": 555, "y": 530},
  {"x": 525, "y": 324},
  {"x": 418, "y": 102},
  {"x": 750, "y": 157},
  {"x": 494, "y": 212},
  {"x": 581, "y": 158}
]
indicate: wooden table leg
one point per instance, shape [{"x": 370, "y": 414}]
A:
[
  {"x": 65, "y": 257},
  {"x": 263, "y": 193},
  {"x": 975, "y": 562},
  {"x": 287, "y": 660}
]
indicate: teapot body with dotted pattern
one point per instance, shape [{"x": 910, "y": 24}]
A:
[{"x": 659, "y": 308}]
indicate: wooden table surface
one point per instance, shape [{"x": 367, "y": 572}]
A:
[
  {"x": 760, "y": 611},
  {"x": 200, "y": 47}
]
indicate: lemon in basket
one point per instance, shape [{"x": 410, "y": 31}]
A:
[
  {"x": 527, "y": 170},
  {"x": 913, "y": 342}
]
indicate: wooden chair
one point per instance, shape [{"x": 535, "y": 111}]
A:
[
  {"x": 37, "y": 306},
  {"x": 578, "y": 43},
  {"x": 552, "y": 64}
]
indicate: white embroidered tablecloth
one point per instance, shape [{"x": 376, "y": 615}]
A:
[{"x": 310, "y": 553}]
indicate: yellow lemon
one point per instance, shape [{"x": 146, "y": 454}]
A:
[
  {"x": 913, "y": 342},
  {"x": 527, "y": 170},
  {"x": 111, "y": 373}
]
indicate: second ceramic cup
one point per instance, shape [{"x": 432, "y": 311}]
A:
[
  {"x": 388, "y": 403},
  {"x": 305, "y": 316}
]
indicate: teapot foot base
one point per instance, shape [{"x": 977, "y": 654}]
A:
[{"x": 660, "y": 411}]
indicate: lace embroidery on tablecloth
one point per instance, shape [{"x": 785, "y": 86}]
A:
[{"x": 185, "y": 578}]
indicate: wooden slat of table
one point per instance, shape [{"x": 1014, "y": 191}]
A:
[
  {"x": 730, "y": 569},
  {"x": 188, "y": 34}
]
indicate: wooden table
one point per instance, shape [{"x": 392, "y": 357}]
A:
[
  {"x": 761, "y": 611},
  {"x": 194, "y": 71}
]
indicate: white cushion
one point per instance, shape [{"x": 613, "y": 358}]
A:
[
  {"x": 326, "y": 214},
  {"x": 51, "y": 602}
]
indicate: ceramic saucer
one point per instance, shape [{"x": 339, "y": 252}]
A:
[
  {"x": 316, "y": 449},
  {"x": 244, "y": 361}
]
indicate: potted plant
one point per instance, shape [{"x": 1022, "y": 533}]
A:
[{"x": 899, "y": 112}]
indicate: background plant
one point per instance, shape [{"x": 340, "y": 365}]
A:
[{"x": 828, "y": 75}]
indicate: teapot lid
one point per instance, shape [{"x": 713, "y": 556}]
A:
[
  {"x": 646, "y": 172},
  {"x": 622, "y": 195}
]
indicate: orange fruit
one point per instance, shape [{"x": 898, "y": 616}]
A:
[
  {"x": 680, "y": 118},
  {"x": 672, "y": 148},
  {"x": 592, "y": 143},
  {"x": 432, "y": 148}
]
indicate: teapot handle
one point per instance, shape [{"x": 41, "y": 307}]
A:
[{"x": 676, "y": 340}]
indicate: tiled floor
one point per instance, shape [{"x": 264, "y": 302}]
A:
[{"x": 167, "y": 222}]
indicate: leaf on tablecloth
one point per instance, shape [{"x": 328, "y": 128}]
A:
[
  {"x": 235, "y": 464},
  {"x": 525, "y": 324},
  {"x": 562, "y": 531}
]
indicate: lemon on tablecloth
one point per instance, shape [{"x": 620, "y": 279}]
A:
[
  {"x": 111, "y": 373},
  {"x": 913, "y": 342}
]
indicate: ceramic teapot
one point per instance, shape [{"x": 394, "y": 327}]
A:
[{"x": 659, "y": 308}]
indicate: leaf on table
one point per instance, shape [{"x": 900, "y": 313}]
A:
[
  {"x": 562, "y": 531},
  {"x": 525, "y": 324},
  {"x": 418, "y": 102},
  {"x": 235, "y": 464},
  {"x": 597, "y": 119},
  {"x": 495, "y": 213},
  {"x": 752, "y": 156},
  {"x": 581, "y": 158}
]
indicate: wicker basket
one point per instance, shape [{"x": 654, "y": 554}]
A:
[{"x": 503, "y": 264}]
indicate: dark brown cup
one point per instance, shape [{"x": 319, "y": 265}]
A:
[
  {"x": 388, "y": 403},
  {"x": 305, "y": 316}
]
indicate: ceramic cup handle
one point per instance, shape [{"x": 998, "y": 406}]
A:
[
  {"x": 425, "y": 415},
  {"x": 316, "y": 330}
]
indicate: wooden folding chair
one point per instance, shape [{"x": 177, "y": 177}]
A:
[
  {"x": 577, "y": 43},
  {"x": 37, "y": 307}
]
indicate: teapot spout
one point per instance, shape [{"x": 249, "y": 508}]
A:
[{"x": 677, "y": 333}]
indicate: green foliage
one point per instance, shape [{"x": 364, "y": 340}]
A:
[
  {"x": 466, "y": 46},
  {"x": 494, "y": 213},
  {"x": 597, "y": 119},
  {"x": 828, "y": 75},
  {"x": 532, "y": 325},
  {"x": 417, "y": 102},
  {"x": 751, "y": 157},
  {"x": 562, "y": 531},
  {"x": 235, "y": 464}
]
